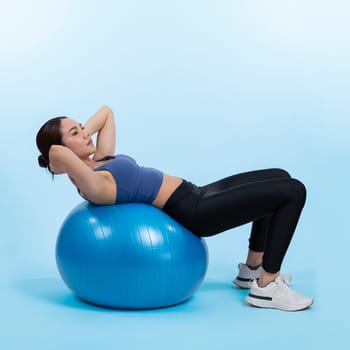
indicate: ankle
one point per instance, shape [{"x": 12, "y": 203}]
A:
[
  {"x": 254, "y": 258},
  {"x": 266, "y": 278},
  {"x": 254, "y": 267}
]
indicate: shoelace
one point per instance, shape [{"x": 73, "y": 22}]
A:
[
  {"x": 285, "y": 281},
  {"x": 283, "y": 285}
]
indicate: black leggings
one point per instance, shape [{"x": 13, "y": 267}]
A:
[{"x": 270, "y": 198}]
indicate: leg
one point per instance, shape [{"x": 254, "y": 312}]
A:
[
  {"x": 212, "y": 209},
  {"x": 247, "y": 177},
  {"x": 254, "y": 258},
  {"x": 261, "y": 225},
  {"x": 276, "y": 243},
  {"x": 282, "y": 199}
]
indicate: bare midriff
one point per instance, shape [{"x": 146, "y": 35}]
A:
[{"x": 169, "y": 185}]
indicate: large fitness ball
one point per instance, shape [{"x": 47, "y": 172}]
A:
[{"x": 129, "y": 256}]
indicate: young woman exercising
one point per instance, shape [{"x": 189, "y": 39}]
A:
[{"x": 270, "y": 199}]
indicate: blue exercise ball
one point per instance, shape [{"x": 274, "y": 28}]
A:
[{"x": 129, "y": 256}]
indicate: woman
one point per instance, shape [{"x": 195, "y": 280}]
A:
[{"x": 270, "y": 199}]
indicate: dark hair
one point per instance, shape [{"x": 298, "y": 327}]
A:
[{"x": 49, "y": 134}]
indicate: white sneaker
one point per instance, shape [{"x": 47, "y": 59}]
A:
[
  {"x": 277, "y": 295},
  {"x": 246, "y": 276}
]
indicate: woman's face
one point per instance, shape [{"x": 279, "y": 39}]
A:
[{"x": 76, "y": 138}]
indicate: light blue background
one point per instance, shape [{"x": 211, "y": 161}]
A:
[{"x": 201, "y": 89}]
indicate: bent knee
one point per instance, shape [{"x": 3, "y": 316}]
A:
[
  {"x": 281, "y": 172},
  {"x": 299, "y": 190}
]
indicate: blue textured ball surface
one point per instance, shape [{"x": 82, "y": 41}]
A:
[{"x": 129, "y": 256}]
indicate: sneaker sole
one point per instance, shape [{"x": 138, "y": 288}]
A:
[{"x": 269, "y": 304}]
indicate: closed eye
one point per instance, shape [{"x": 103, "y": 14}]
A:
[{"x": 74, "y": 130}]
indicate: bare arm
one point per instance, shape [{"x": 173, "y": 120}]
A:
[
  {"x": 102, "y": 123},
  {"x": 94, "y": 185}
]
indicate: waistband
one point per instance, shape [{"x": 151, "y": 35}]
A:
[{"x": 180, "y": 194}]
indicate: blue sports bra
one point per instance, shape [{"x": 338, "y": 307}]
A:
[{"x": 135, "y": 184}]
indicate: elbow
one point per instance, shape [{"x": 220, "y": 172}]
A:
[
  {"x": 108, "y": 113},
  {"x": 107, "y": 109}
]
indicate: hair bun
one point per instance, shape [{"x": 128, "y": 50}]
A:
[{"x": 43, "y": 162}]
